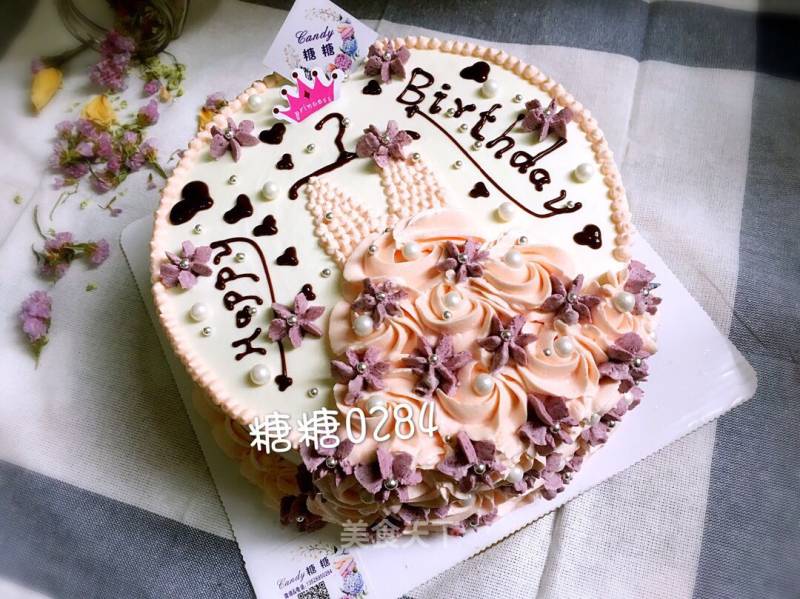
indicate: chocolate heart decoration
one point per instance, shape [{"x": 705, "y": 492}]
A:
[
  {"x": 308, "y": 291},
  {"x": 243, "y": 317},
  {"x": 477, "y": 72},
  {"x": 589, "y": 236},
  {"x": 194, "y": 198},
  {"x": 273, "y": 135},
  {"x": 288, "y": 257},
  {"x": 479, "y": 190},
  {"x": 373, "y": 88},
  {"x": 283, "y": 382},
  {"x": 269, "y": 226},
  {"x": 285, "y": 163},
  {"x": 241, "y": 209}
]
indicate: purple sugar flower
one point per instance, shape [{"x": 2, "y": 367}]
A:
[
  {"x": 464, "y": 261},
  {"x": 360, "y": 372},
  {"x": 383, "y": 146},
  {"x": 473, "y": 521},
  {"x": 551, "y": 477},
  {"x": 640, "y": 284},
  {"x": 437, "y": 367},
  {"x": 548, "y": 421},
  {"x": 151, "y": 87},
  {"x": 379, "y": 300},
  {"x": 323, "y": 461},
  {"x": 232, "y": 138},
  {"x": 387, "y": 63},
  {"x": 505, "y": 343},
  {"x": 545, "y": 120},
  {"x": 569, "y": 305},
  {"x": 295, "y": 323},
  {"x": 626, "y": 362},
  {"x": 596, "y": 434},
  {"x": 294, "y": 510},
  {"x": 390, "y": 474},
  {"x": 183, "y": 270},
  {"x": 148, "y": 114},
  {"x": 471, "y": 463}
]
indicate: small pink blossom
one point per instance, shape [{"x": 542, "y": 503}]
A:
[
  {"x": 387, "y": 62},
  {"x": 295, "y": 322},
  {"x": 383, "y": 146},
  {"x": 232, "y": 138},
  {"x": 183, "y": 270},
  {"x": 545, "y": 120}
]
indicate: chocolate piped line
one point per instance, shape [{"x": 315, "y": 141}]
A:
[{"x": 549, "y": 205}]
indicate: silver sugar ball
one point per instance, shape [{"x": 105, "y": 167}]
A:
[
  {"x": 479, "y": 468},
  {"x": 571, "y": 297},
  {"x": 380, "y": 296},
  {"x": 292, "y": 320},
  {"x": 325, "y": 273},
  {"x": 450, "y": 112},
  {"x": 463, "y": 127},
  {"x": 637, "y": 362},
  {"x": 433, "y": 359},
  {"x": 310, "y": 148},
  {"x": 458, "y": 164},
  {"x": 447, "y": 315},
  {"x": 505, "y": 335},
  {"x": 233, "y": 179},
  {"x": 197, "y": 229},
  {"x": 251, "y": 310},
  {"x": 372, "y": 248},
  {"x": 329, "y": 216},
  {"x": 330, "y": 462},
  {"x": 547, "y": 351},
  {"x": 517, "y": 98},
  {"x": 522, "y": 240},
  {"x": 183, "y": 264},
  {"x": 361, "y": 367},
  {"x": 390, "y": 484},
  {"x": 416, "y": 157},
  {"x": 239, "y": 257},
  {"x": 345, "y": 122},
  {"x": 612, "y": 423},
  {"x": 313, "y": 392},
  {"x": 205, "y": 331}
]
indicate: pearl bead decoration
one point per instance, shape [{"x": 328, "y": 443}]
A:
[
  {"x": 513, "y": 258},
  {"x": 624, "y": 301},
  {"x": 197, "y": 229},
  {"x": 412, "y": 251},
  {"x": 505, "y": 211},
  {"x": 514, "y": 474},
  {"x": 490, "y": 88},
  {"x": 260, "y": 374},
  {"x": 363, "y": 325},
  {"x": 206, "y": 331},
  {"x": 233, "y": 180},
  {"x": 583, "y": 172},
  {"x": 269, "y": 190},
  {"x": 239, "y": 256},
  {"x": 458, "y": 164},
  {"x": 483, "y": 384},
  {"x": 313, "y": 392},
  {"x": 310, "y": 148},
  {"x": 452, "y": 299},
  {"x": 564, "y": 346},
  {"x": 255, "y": 102},
  {"x": 199, "y": 312},
  {"x": 374, "y": 402}
]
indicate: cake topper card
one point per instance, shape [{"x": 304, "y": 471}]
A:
[{"x": 318, "y": 35}]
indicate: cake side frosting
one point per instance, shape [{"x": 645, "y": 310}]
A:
[{"x": 498, "y": 256}]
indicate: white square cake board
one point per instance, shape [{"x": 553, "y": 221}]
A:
[{"x": 714, "y": 377}]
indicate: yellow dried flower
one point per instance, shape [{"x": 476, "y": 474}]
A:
[
  {"x": 204, "y": 118},
  {"x": 100, "y": 111},
  {"x": 45, "y": 84}
]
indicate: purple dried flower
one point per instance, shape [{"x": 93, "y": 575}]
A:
[
  {"x": 183, "y": 270},
  {"x": 232, "y": 138},
  {"x": 380, "y": 300},
  {"x": 640, "y": 284},
  {"x": 464, "y": 261},
  {"x": 545, "y": 120},
  {"x": 360, "y": 372},
  {"x": 148, "y": 114},
  {"x": 387, "y": 62},
  {"x": 324, "y": 461},
  {"x": 569, "y": 305},
  {"x": 294, "y": 510},
  {"x": 35, "y": 315},
  {"x": 112, "y": 69},
  {"x": 151, "y": 87},
  {"x": 383, "y": 146},
  {"x": 58, "y": 242},
  {"x": 507, "y": 343},
  {"x": 390, "y": 474},
  {"x": 548, "y": 423},
  {"x": 626, "y": 362},
  {"x": 215, "y": 101},
  {"x": 99, "y": 251},
  {"x": 471, "y": 463},
  {"x": 437, "y": 367},
  {"x": 295, "y": 323}
]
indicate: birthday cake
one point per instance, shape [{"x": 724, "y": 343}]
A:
[{"x": 406, "y": 292}]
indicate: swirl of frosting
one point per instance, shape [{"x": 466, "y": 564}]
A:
[
  {"x": 494, "y": 416},
  {"x": 574, "y": 375},
  {"x": 470, "y": 317},
  {"x": 614, "y": 323},
  {"x": 276, "y": 475},
  {"x": 426, "y": 449},
  {"x": 345, "y": 501},
  {"x": 396, "y": 337},
  {"x": 525, "y": 287}
]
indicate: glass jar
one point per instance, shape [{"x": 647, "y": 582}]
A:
[{"x": 153, "y": 24}]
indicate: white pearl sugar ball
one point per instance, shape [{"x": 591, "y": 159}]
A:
[
  {"x": 564, "y": 346},
  {"x": 363, "y": 325},
  {"x": 505, "y": 211},
  {"x": 513, "y": 258},
  {"x": 375, "y": 401},
  {"x": 583, "y": 172},
  {"x": 514, "y": 474},
  {"x": 255, "y": 102},
  {"x": 412, "y": 250},
  {"x": 260, "y": 374},
  {"x": 490, "y": 88},
  {"x": 269, "y": 190},
  {"x": 199, "y": 312},
  {"x": 452, "y": 299},
  {"x": 483, "y": 384},
  {"x": 624, "y": 301}
]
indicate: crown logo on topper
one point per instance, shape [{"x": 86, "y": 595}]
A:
[{"x": 308, "y": 95}]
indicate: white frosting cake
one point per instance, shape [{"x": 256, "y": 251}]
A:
[{"x": 448, "y": 252}]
